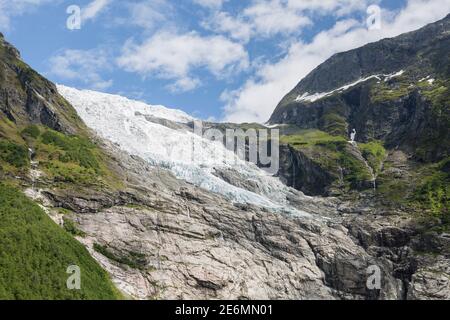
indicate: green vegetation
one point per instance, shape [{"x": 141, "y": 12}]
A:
[
  {"x": 75, "y": 149},
  {"x": 134, "y": 260},
  {"x": 13, "y": 154},
  {"x": 70, "y": 227},
  {"x": 332, "y": 153},
  {"x": 310, "y": 137},
  {"x": 374, "y": 153},
  {"x": 35, "y": 254},
  {"x": 69, "y": 159},
  {"x": 333, "y": 122},
  {"x": 388, "y": 91},
  {"x": 423, "y": 190},
  {"x": 355, "y": 170},
  {"x": 8, "y": 130},
  {"x": 433, "y": 194},
  {"x": 439, "y": 96},
  {"x": 31, "y": 131}
]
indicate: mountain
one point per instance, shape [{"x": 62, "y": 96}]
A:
[
  {"x": 146, "y": 209},
  {"x": 36, "y": 121},
  {"x": 28, "y": 98},
  {"x": 395, "y": 93},
  {"x": 165, "y": 138}
]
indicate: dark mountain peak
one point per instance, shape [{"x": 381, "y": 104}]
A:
[
  {"x": 418, "y": 48},
  {"x": 28, "y": 98},
  {"x": 9, "y": 48},
  {"x": 396, "y": 90}
]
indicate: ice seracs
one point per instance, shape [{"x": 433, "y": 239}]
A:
[{"x": 135, "y": 128}]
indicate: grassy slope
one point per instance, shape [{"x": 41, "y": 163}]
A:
[
  {"x": 426, "y": 190},
  {"x": 36, "y": 253},
  {"x": 331, "y": 153}
]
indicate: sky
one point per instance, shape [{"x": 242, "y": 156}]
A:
[{"x": 219, "y": 60}]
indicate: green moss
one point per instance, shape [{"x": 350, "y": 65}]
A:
[
  {"x": 311, "y": 137},
  {"x": 375, "y": 154},
  {"x": 355, "y": 170},
  {"x": 134, "y": 260},
  {"x": 76, "y": 149},
  {"x": 13, "y": 154},
  {"x": 433, "y": 194},
  {"x": 31, "y": 131},
  {"x": 388, "y": 91},
  {"x": 35, "y": 254},
  {"x": 70, "y": 227}
]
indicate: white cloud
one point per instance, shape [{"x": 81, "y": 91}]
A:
[
  {"x": 263, "y": 18},
  {"x": 266, "y": 18},
  {"x": 236, "y": 28},
  {"x": 173, "y": 56},
  {"x": 81, "y": 65},
  {"x": 212, "y": 4},
  {"x": 257, "y": 98},
  {"x": 13, "y": 8},
  {"x": 93, "y": 9},
  {"x": 150, "y": 13},
  {"x": 338, "y": 7},
  {"x": 272, "y": 17}
]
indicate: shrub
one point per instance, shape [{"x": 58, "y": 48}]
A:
[
  {"x": 134, "y": 260},
  {"x": 71, "y": 228},
  {"x": 14, "y": 154},
  {"x": 77, "y": 150},
  {"x": 31, "y": 131},
  {"x": 35, "y": 254},
  {"x": 374, "y": 153}
]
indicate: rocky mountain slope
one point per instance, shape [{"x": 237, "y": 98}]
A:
[
  {"x": 162, "y": 228},
  {"x": 41, "y": 137},
  {"x": 395, "y": 94}
]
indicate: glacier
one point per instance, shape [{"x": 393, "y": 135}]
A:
[{"x": 136, "y": 128}]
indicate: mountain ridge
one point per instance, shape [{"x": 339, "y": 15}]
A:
[
  {"x": 159, "y": 236},
  {"x": 316, "y": 81},
  {"x": 395, "y": 94}
]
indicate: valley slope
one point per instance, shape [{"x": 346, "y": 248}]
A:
[{"x": 109, "y": 198}]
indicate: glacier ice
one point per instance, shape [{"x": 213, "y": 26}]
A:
[{"x": 133, "y": 127}]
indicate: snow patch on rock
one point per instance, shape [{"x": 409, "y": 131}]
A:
[{"x": 307, "y": 97}]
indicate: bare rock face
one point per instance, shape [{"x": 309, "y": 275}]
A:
[
  {"x": 216, "y": 251},
  {"x": 28, "y": 98},
  {"x": 165, "y": 239},
  {"x": 162, "y": 238},
  {"x": 432, "y": 282}
]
